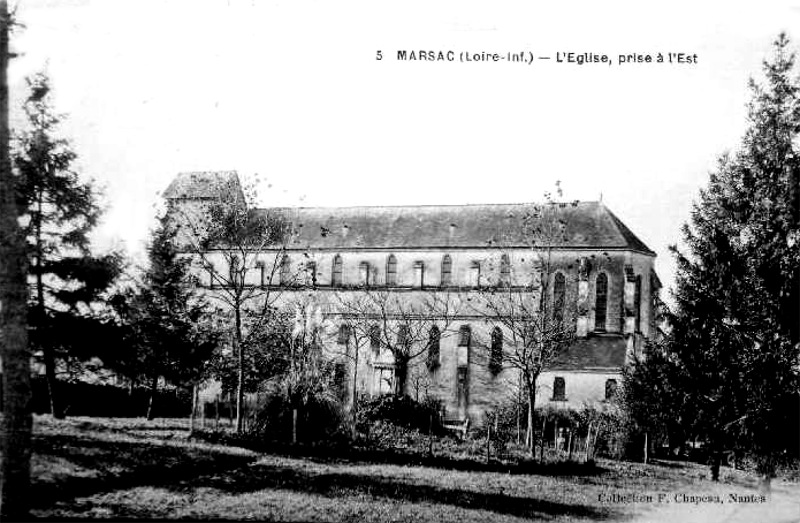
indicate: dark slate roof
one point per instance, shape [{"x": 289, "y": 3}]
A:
[
  {"x": 604, "y": 351},
  {"x": 202, "y": 184},
  {"x": 588, "y": 225}
]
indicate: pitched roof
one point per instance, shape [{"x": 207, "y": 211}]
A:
[
  {"x": 202, "y": 184},
  {"x": 587, "y": 225}
]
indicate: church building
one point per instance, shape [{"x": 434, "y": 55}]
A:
[{"x": 576, "y": 261}]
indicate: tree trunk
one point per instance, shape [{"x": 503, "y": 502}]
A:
[
  {"x": 193, "y": 413},
  {"x": 354, "y": 405},
  {"x": 15, "y": 430},
  {"x": 294, "y": 426},
  {"x": 52, "y": 382},
  {"x": 152, "y": 397},
  {"x": 400, "y": 375},
  {"x": 488, "y": 441},
  {"x": 716, "y": 462},
  {"x": 541, "y": 439},
  {"x": 530, "y": 385},
  {"x": 766, "y": 471},
  {"x": 41, "y": 316},
  {"x": 240, "y": 374}
]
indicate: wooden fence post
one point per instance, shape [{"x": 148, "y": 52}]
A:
[
  {"x": 488, "y": 441},
  {"x": 216, "y": 413}
]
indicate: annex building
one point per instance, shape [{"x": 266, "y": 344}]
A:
[{"x": 593, "y": 274}]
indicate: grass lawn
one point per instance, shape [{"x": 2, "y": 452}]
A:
[{"x": 118, "y": 468}]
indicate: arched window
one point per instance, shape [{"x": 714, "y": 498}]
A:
[
  {"x": 419, "y": 274},
  {"x": 311, "y": 273},
  {"x": 344, "y": 334},
  {"x": 464, "y": 336},
  {"x": 600, "y": 302},
  {"x": 434, "y": 337},
  {"x": 447, "y": 271},
  {"x": 505, "y": 270},
  {"x": 234, "y": 271},
  {"x": 285, "y": 270},
  {"x": 475, "y": 276},
  {"x": 637, "y": 303},
  {"x": 339, "y": 376},
  {"x": 391, "y": 270},
  {"x": 364, "y": 273},
  {"x": 559, "y": 389},
  {"x": 611, "y": 389},
  {"x": 336, "y": 275},
  {"x": 402, "y": 336},
  {"x": 559, "y": 294},
  {"x": 262, "y": 273},
  {"x": 496, "y": 357},
  {"x": 375, "y": 338}
]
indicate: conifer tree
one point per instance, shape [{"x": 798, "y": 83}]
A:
[
  {"x": 167, "y": 332},
  {"x": 61, "y": 211},
  {"x": 735, "y": 326}
]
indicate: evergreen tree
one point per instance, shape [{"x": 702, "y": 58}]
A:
[
  {"x": 734, "y": 332},
  {"x": 61, "y": 211},
  {"x": 166, "y": 327}
]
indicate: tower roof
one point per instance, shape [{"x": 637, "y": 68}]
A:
[{"x": 202, "y": 185}]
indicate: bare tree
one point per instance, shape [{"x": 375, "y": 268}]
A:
[
  {"x": 407, "y": 326},
  {"x": 535, "y": 321},
  {"x": 16, "y": 424},
  {"x": 242, "y": 252}
]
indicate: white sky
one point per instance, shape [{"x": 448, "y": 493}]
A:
[{"x": 291, "y": 91}]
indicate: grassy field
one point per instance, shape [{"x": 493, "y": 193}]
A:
[{"x": 114, "y": 468}]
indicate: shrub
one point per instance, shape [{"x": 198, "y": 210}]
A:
[
  {"x": 320, "y": 419},
  {"x": 400, "y": 411}
]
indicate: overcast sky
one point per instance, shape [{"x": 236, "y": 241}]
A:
[{"x": 292, "y": 91}]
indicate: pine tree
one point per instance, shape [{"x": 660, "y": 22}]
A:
[
  {"x": 166, "y": 327},
  {"x": 735, "y": 328},
  {"x": 61, "y": 211}
]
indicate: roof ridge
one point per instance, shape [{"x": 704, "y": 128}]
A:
[{"x": 405, "y": 206}]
